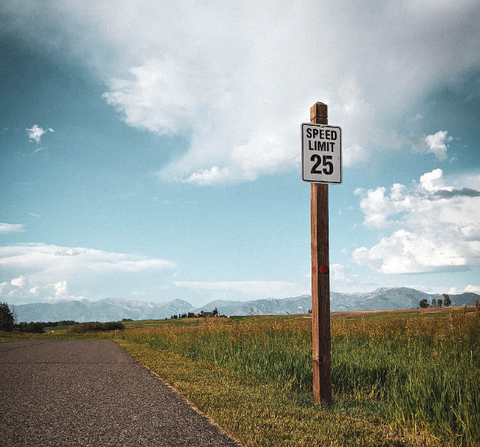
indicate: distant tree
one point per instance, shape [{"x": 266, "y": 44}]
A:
[
  {"x": 439, "y": 303},
  {"x": 7, "y": 318},
  {"x": 434, "y": 303},
  {"x": 191, "y": 315},
  {"x": 184, "y": 315},
  {"x": 215, "y": 312},
  {"x": 446, "y": 300},
  {"x": 112, "y": 325},
  {"x": 423, "y": 303},
  {"x": 34, "y": 327}
]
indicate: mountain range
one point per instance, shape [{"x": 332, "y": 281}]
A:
[{"x": 116, "y": 309}]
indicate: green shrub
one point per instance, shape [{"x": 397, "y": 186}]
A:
[{"x": 83, "y": 328}]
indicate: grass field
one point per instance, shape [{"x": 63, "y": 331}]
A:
[
  {"x": 418, "y": 374},
  {"x": 399, "y": 378}
]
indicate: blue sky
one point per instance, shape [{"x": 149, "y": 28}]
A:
[{"x": 153, "y": 152}]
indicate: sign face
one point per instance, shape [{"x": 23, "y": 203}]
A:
[{"x": 321, "y": 153}]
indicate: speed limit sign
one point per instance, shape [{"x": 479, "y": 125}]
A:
[{"x": 321, "y": 153}]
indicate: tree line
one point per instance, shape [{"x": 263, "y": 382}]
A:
[
  {"x": 436, "y": 303},
  {"x": 7, "y": 324},
  {"x": 202, "y": 314}
]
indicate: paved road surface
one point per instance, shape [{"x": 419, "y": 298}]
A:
[{"x": 91, "y": 393}]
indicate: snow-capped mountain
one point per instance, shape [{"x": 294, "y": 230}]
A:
[{"x": 115, "y": 309}]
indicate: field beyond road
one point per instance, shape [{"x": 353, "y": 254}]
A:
[
  {"x": 399, "y": 378},
  {"x": 90, "y": 392}
]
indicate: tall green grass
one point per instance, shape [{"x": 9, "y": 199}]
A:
[{"x": 417, "y": 373}]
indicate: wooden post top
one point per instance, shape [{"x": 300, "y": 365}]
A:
[{"x": 319, "y": 113}]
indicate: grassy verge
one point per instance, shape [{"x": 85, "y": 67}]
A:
[
  {"x": 261, "y": 414},
  {"x": 419, "y": 374}
]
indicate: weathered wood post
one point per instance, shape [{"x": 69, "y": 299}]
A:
[{"x": 321, "y": 340}]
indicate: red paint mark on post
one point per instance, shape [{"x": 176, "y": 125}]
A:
[
  {"x": 314, "y": 269},
  {"x": 323, "y": 269}
]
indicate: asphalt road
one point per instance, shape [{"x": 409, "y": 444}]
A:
[{"x": 91, "y": 393}]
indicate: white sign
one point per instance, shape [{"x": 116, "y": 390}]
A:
[{"x": 321, "y": 153}]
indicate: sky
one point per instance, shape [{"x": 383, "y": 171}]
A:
[{"x": 151, "y": 150}]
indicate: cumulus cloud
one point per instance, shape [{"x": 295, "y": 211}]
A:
[
  {"x": 38, "y": 272},
  {"x": 20, "y": 291},
  {"x": 20, "y": 282},
  {"x": 6, "y": 228},
  {"x": 433, "y": 182},
  {"x": 435, "y": 227},
  {"x": 35, "y": 133},
  {"x": 437, "y": 144},
  {"x": 235, "y": 80},
  {"x": 410, "y": 252}
]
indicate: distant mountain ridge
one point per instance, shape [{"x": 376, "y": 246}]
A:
[{"x": 116, "y": 309}]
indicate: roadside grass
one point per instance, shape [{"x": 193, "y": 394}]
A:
[
  {"x": 54, "y": 335},
  {"x": 417, "y": 374},
  {"x": 56, "y": 328},
  {"x": 261, "y": 415}
]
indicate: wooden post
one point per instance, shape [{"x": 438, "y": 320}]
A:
[{"x": 322, "y": 364}]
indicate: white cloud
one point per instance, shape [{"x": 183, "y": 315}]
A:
[
  {"x": 472, "y": 289},
  {"x": 433, "y": 182},
  {"x": 60, "y": 288},
  {"x": 417, "y": 117},
  {"x": 236, "y": 79},
  {"x": 35, "y": 133},
  {"x": 470, "y": 180},
  {"x": 211, "y": 176},
  {"x": 6, "y": 228},
  {"x": 437, "y": 144},
  {"x": 36, "y": 272},
  {"x": 19, "y": 292},
  {"x": 20, "y": 282},
  {"x": 161, "y": 96},
  {"x": 436, "y": 227},
  {"x": 354, "y": 154},
  {"x": 378, "y": 208},
  {"x": 69, "y": 252}
]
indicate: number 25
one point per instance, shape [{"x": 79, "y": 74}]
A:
[{"x": 316, "y": 169}]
